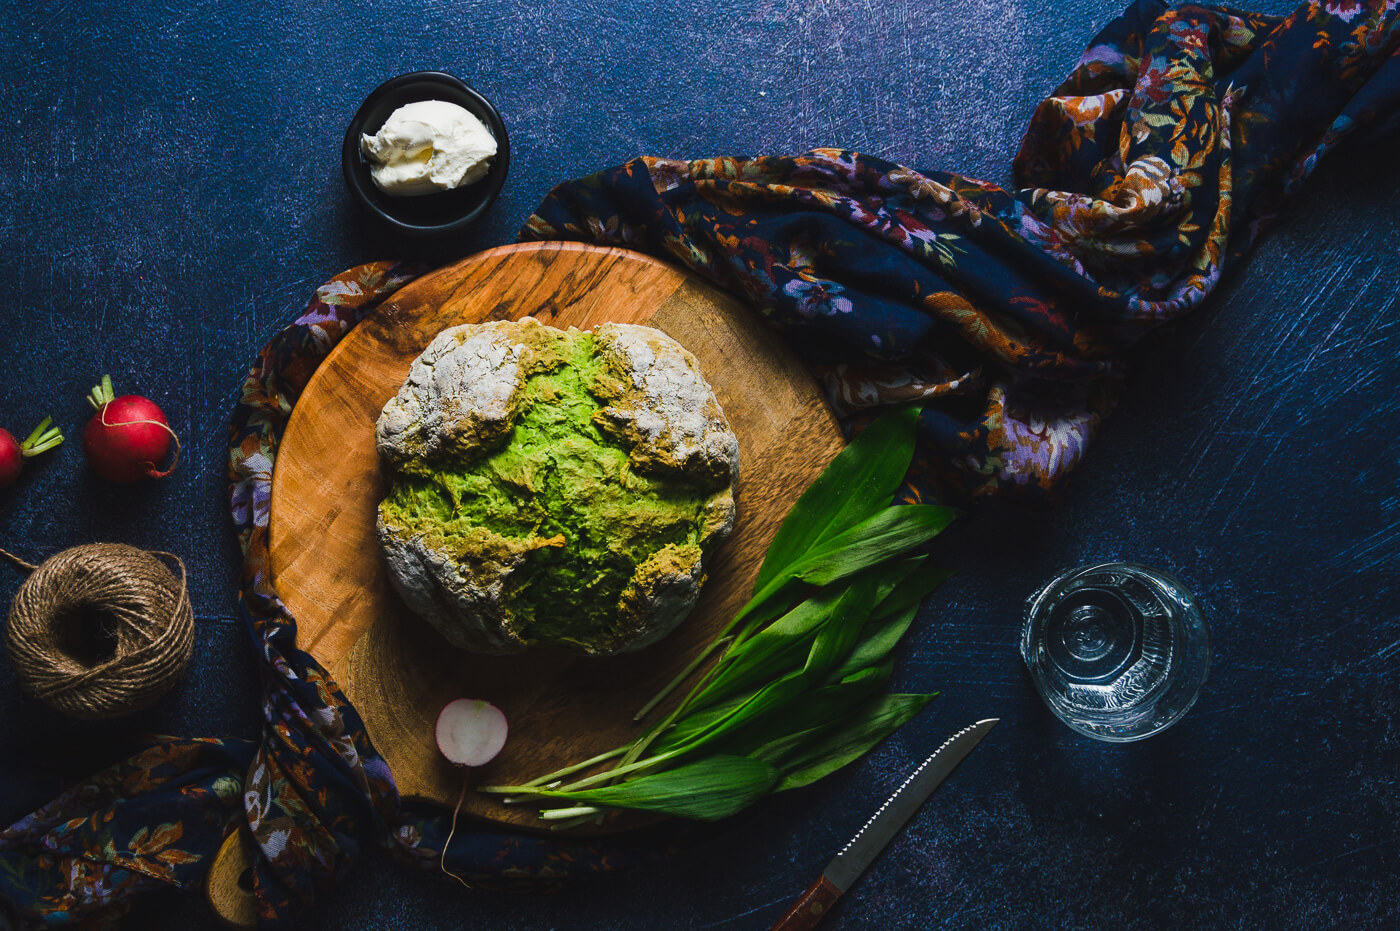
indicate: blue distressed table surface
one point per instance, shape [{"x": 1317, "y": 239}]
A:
[{"x": 171, "y": 195}]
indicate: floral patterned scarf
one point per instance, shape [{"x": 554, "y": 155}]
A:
[{"x": 1005, "y": 315}]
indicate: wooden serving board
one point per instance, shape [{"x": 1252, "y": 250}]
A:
[
  {"x": 398, "y": 670},
  {"x": 395, "y": 668}
]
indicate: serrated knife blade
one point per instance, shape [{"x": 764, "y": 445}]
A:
[{"x": 887, "y": 821}]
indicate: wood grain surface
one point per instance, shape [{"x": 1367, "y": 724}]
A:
[{"x": 397, "y": 669}]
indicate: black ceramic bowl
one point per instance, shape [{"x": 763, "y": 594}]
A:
[{"x": 441, "y": 212}]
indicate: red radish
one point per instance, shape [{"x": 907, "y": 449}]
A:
[
  {"x": 13, "y": 453},
  {"x": 127, "y": 436},
  {"x": 469, "y": 733}
]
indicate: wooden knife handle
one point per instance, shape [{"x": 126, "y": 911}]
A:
[{"x": 811, "y": 907}]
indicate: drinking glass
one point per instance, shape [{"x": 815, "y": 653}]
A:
[{"x": 1118, "y": 650}]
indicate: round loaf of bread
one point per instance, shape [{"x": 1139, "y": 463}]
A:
[{"x": 553, "y": 488}]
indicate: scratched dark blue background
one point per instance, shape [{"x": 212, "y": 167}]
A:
[{"x": 169, "y": 195}]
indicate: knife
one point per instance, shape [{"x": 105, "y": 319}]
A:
[{"x": 862, "y": 849}]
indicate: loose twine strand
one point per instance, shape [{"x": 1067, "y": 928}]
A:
[{"x": 141, "y": 606}]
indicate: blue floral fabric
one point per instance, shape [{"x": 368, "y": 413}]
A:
[{"x": 1006, "y": 315}]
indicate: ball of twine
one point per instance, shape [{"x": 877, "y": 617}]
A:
[{"x": 85, "y": 599}]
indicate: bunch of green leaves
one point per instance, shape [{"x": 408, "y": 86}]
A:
[{"x": 798, "y": 690}]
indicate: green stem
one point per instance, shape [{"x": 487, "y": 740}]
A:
[
  {"x": 681, "y": 676},
  {"x": 617, "y": 771},
  {"x": 38, "y": 432},
  {"x": 44, "y": 438},
  {"x": 576, "y": 822},
  {"x": 570, "y": 770},
  {"x": 558, "y": 814},
  {"x": 43, "y": 447},
  {"x": 639, "y": 746},
  {"x": 724, "y": 637},
  {"x": 534, "y": 789},
  {"x": 532, "y": 796},
  {"x": 101, "y": 394}
]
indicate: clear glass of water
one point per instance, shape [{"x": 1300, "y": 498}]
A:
[{"x": 1119, "y": 651}]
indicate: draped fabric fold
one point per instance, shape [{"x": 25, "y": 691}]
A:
[
  {"x": 1011, "y": 315},
  {"x": 1008, "y": 316}
]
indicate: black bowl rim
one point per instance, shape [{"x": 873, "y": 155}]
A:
[{"x": 357, "y": 176}]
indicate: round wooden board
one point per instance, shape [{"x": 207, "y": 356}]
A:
[{"x": 396, "y": 669}]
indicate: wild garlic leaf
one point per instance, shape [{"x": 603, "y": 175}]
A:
[
  {"x": 888, "y": 532},
  {"x": 842, "y": 631},
  {"x": 707, "y": 790},
  {"x": 839, "y": 634},
  {"x": 860, "y": 481},
  {"x": 892, "y": 617},
  {"x": 793, "y": 698},
  {"x": 914, "y": 588},
  {"x": 788, "y": 637},
  {"x": 755, "y": 659},
  {"x": 820, "y": 752},
  {"x": 687, "y": 728},
  {"x": 815, "y": 709},
  {"x": 768, "y": 701},
  {"x": 871, "y": 677},
  {"x": 804, "y": 694}
]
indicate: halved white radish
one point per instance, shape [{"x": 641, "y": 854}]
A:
[{"x": 471, "y": 732}]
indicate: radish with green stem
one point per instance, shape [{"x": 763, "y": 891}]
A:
[
  {"x": 127, "y": 436},
  {"x": 469, "y": 733},
  {"x": 13, "y": 453}
]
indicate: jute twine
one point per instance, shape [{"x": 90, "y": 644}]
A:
[{"x": 85, "y": 599}]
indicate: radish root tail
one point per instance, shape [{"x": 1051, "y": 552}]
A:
[{"x": 442, "y": 862}]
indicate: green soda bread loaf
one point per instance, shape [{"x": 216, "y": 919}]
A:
[{"x": 553, "y": 488}]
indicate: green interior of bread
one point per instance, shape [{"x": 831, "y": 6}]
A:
[{"x": 564, "y": 490}]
